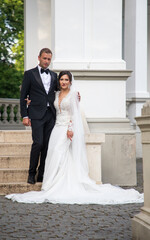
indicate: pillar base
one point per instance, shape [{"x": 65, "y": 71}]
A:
[
  {"x": 118, "y": 152},
  {"x": 141, "y": 225},
  {"x": 93, "y": 147}
]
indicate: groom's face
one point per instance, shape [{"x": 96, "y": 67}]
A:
[{"x": 45, "y": 60}]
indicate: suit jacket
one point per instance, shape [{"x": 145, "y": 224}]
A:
[{"x": 32, "y": 85}]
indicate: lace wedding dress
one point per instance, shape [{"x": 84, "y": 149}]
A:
[{"x": 66, "y": 177}]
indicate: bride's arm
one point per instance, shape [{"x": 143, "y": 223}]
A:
[{"x": 75, "y": 98}]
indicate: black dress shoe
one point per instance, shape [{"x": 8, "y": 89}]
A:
[
  {"x": 40, "y": 179},
  {"x": 31, "y": 180}
]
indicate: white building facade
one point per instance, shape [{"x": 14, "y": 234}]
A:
[{"x": 104, "y": 44}]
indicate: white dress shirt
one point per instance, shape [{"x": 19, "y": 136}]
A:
[{"x": 46, "y": 79}]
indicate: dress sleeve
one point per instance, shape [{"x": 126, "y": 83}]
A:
[{"x": 74, "y": 104}]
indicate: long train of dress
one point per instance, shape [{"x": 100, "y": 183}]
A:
[{"x": 66, "y": 177}]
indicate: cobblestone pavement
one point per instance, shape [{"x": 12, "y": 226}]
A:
[{"x": 69, "y": 222}]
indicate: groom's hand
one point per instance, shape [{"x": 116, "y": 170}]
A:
[
  {"x": 26, "y": 122},
  {"x": 79, "y": 96},
  {"x": 70, "y": 135}
]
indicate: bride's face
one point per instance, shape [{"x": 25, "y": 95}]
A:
[{"x": 64, "y": 82}]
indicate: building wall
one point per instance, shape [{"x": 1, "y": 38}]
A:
[
  {"x": 148, "y": 64},
  {"x": 86, "y": 38}
]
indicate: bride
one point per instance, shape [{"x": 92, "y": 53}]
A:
[{"x": 66, "y": 177}]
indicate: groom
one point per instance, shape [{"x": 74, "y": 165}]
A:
[{"x": 39, "y": 84}]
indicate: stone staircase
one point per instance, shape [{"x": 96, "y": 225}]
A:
[
  {"x": 14, "y": 162},
  {"x": 15, "y": 148}
]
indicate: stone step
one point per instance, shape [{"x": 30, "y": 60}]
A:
[
  {"x": 13, "y": 175},
  {"x": 21, "y": 162},
  {"x": 7, "y": 188},
  {"x": 15, "y": 149},
  {"x": 15, "y": 136}
]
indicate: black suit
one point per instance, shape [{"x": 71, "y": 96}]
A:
[{"x": 42, "y": 117}]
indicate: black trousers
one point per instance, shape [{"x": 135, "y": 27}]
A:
[{"x": 41, "y": 130}]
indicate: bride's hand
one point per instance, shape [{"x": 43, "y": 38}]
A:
[{"x": 70, "y": 135}]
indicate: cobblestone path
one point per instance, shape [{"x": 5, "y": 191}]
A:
[{"x": 68, "y": 222}]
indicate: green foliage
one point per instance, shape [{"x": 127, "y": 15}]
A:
[
  {"x": 11, "y": 24},
  {"x": 18, "y": 50},
  {"x": 11, "y": 47},
  {"x": 10, "y": 81}
]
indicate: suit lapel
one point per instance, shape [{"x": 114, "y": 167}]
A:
[
  {"x": 52, "y": 80},
  {"x": 38, "y": 78}
]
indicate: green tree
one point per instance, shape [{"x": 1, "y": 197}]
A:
[
  {"x": 11, "y": 47},
  {"x": 18, "y": 51}
]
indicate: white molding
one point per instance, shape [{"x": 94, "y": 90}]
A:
[
  {"x": 136, "y": 95},
  {"x": 137, "y": 100},
  {"x": 110, "y": 75},
  {"x": 108, "y": 120},
  {"x": 111, "y": 64},
  {"x": 115, "y": 126}
]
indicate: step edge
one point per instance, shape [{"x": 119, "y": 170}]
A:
[
  {"x": 12, "y": 169},
  {"x": 19, "y": 183}
]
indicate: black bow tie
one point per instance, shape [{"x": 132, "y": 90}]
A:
[{"x": 44, "y": 70}]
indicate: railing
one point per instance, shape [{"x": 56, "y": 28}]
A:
[{"x": 10, "y": 114}]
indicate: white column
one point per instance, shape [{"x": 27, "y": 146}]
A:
[
  {"x": 87, "y": 34},
  {"x": 136, "y": 47},
  {"x": 135, "y": 52},
  {"x": 37, "y": 25}
]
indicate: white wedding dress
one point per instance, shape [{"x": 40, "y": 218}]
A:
[{"x": 66, "y": 177}]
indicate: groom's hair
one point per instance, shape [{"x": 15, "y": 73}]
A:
[{"x": 45, "y": 50}]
